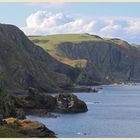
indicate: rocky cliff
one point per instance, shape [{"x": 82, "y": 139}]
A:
[
  {"x": 99, "y": 60},
  {"x": 8, "y": 106},
  {"x": 24, "y": 65},
  {"x": 106, "y": 61}
]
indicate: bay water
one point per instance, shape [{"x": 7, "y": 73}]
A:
[{"x": 113, "y": 112}]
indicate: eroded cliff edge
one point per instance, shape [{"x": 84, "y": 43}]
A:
[{"x": 97, "y": 60}]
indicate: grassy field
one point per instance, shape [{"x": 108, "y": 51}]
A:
[{"x": 50, "y": 42}]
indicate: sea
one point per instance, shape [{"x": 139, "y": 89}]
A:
[{"x": 113, "y": 112}]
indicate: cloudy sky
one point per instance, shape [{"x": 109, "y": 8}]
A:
[{"x": 115, "y": 20}]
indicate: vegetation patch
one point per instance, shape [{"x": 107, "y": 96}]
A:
[
  {"x": 50, "y": 43},
  {"x": 9, "y": 133}
]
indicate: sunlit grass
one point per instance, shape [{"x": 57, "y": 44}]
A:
[
  {"x": 50, "y": 43},
  {"x": 9, "y": 133}
]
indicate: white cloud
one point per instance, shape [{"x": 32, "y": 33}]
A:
[
  {"x": 44, "y": 19},
  {"x": 133, "y": 28},
  {"x": 45, "y": 23},
  {"x": 110, "y": 29}
]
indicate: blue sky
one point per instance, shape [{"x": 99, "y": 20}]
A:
[
  {"x": 17, "y": 13},
  {"x": 102, "y": 18}
]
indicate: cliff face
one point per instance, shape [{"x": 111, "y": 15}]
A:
[
  {"x": 24, "y": 65},
  {"x": 105, "y": 60}
]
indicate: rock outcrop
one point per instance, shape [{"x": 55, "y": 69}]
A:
[
  {"x": 10, "y": 107},
  {"x": 69, "y": 103},
  {"x": 36, "y": 100},
  {"x": 29, "y": 128},
  {"x": 7, "y": 106},
  {"x": 84, "y": 89},
  {"x": 65, "y": 102}
]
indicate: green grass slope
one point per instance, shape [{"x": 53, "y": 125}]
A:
[{"x": 51, "y": 42}]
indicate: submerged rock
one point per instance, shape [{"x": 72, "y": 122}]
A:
[
  {"x": 69, "y": 103},
  {"x": 29, "y": 128}
]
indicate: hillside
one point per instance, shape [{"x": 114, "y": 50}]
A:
[
  {"x": 24, "y": 65},
  {"x": 10, "y": 133},
  {"x": 50, "y": 44},
  {"x": 100, "y": 60}
]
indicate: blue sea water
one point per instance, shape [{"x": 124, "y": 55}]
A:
[{"x": 112, "y": 112}]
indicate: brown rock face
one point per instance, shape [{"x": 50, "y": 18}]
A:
[{"x": 29, "y": 128}]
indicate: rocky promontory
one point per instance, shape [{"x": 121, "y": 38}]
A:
[
  {"x": 29, "y": 128},
  {"x": 64, "y": 102},
  {"x": 14, "y": 108},
  {"x": 69, "y": 103}
]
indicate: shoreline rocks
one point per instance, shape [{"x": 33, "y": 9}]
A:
[
  {"x": 43, "y": 103},
  {"x": 29, "y": 128},
  {"x": 84, "y": 89},
  {"x": 69, "y": 103},
  {"x": 38, "y": 103}
]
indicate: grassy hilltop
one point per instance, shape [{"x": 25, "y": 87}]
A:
[
  {"x": 51, "y": 42},
  {"x": 100, "y": 59}
]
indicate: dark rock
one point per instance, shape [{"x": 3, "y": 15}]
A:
[
  {"x": 36, "y": 100},
  {"x": 84, "y": 89},
  {"x": 41, "y": 104},
  {"x": 108, "y": 61},
  {"x": 94, "y": 90},
  {"x": 8, "y": 107},
  {"x": 69, "y": 103},
  {"x": 20, "y": 114},
  {"x": 1, "y": 120}
]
